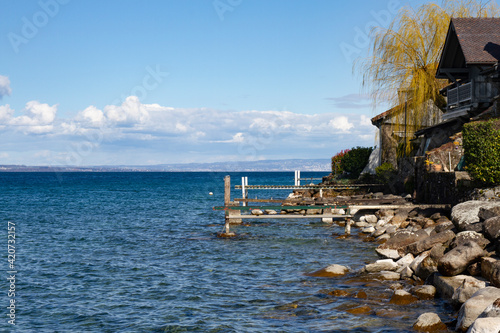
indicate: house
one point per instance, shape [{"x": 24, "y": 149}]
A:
[
  {"x": 469, "y": 61},
  {"x": 395, "y": 126}
]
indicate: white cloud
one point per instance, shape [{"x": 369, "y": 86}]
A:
[
  {"x": 341, "y": 123},
  {"x": 4, "y": 86},
  {"x": 91, "y": 115},
  {"x": 6, "y": 114},
  {"x": 39, "y": 118},
  {"x": 130, "y": 112}
]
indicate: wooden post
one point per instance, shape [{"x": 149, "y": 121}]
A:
[
  {"x": 347, "y": 229},
  {"x": 227, "y": 190}
]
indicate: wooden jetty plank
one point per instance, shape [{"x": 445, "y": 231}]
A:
[
  {"x": 279, "y": 207},
  {"x": 304, "y": 187},
  {"x": 292, "y": 216}
]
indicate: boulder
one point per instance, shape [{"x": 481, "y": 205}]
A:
[
  {"x": 458, "y": 259},
  {"x": 469, "y": 286},
  {"x": 475, "y": 306},
  {"x": 381, "y": 265},
  {"x": 429, "y": 322},
  {"x": 468, "y": 236},
  {"x": 390, "y": 276},
  {"x": 361, "y": 224},
  {"x": 330, "y": 271},
  {"x": 398, "y": 219},
  {"x": 414, "y": 264},
  {"x": 368, "y": 230},
  {"x": 391, "y": 229},
  {"x": 443, "y": 226},
  {"x": 491, "y": 311},
  {"x": 257, "y": 212},
  {"x": 426, "y": 267},
  {"x": 485, "y": 325},
  {"x": 490, "y": 270},
  {"x": 425, "y": 292},
  {"x": 491, "y": 228},
  {"x": 427, "y": 243},
  {"x": 401, "y": 297},
  {"x": 406, "y": 260},
  {"x": 371, "y": 219},
  {"x": 406, "y": 272},
  {"x": 489, "y": 212},
  {"x": 388, "y": 253},
  {"x": 466, "y": 213},
  {"x": 379, "y": 231},
  {"x": 446, "y": 285},
  {"x": 402, "y": 238}
]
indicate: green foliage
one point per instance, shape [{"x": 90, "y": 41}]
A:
[
  {"x": 482, "y": 150},
  {"x": 336, "y": 162},
  {"x": 355, "y": 161},
  {"x": 385, "y": 172}
]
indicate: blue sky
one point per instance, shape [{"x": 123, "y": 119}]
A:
[{"x": 178, "y": 81}]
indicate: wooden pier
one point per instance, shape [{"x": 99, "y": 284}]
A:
[{"x": 330, "y": 208}]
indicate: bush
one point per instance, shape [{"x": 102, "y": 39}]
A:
[
  {"x": 355, "y": 161},
  {"x": 336, "y": 162},
  {"x": 385, "y": 172},
  {"x": 481, "y": 141}
]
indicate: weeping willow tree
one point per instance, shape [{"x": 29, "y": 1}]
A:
[{"x": 401, "y": 67}]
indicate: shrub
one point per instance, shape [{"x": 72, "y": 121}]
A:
[
  {"x": 355, "y": 161},
  {"x": 336, "y": 162},
  {"x": 385, "y": 172},
  {"x": 481, "y": 141}
]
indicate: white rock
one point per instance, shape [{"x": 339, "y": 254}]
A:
[
  {"x": 406, "y": 272},
  {"x": 271, "y": 212},
  {"x": 406, "y": 260},
  {"x": 385, "y": 275},
  {"x": 257, "y": 212},
  {"x": 372, "y": 219},
  {"x": 381, "y": 265},
  {"x": 428, "y": 322},
  {"x": 388, "y": 253},
  {"x": 361, "y": 224},
  {"x": 368, "y": 230},
  {"x": 381, "y": 223}
]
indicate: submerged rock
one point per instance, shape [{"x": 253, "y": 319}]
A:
[
  {"x": 425, "y": 292},
  {"x": 401, "y": 297},
  {"x": 330, "y": 271}
]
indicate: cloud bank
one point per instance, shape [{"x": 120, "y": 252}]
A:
[{"x": 137, "y": 133}]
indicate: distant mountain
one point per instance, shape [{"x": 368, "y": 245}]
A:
[{"x": 266, "y": 165}]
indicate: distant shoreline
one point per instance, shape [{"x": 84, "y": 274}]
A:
[{"x": 312, "y": 165}]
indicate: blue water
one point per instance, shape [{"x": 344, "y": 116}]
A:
[{"x": 137, "y": 252}]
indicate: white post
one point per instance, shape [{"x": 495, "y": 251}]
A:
[
  {"x": 243, "y": 192},
  {"x": 295, "y": 178},
  {"x": 449, "y": 157},
  {"x": 298, "y": 177}
]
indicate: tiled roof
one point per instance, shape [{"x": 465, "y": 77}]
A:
[
  {"x": 383, "y": 115},
  {"x": 479, "y": 39}
]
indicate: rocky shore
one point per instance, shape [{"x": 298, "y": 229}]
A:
[{"x": 453, "y": 254}]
